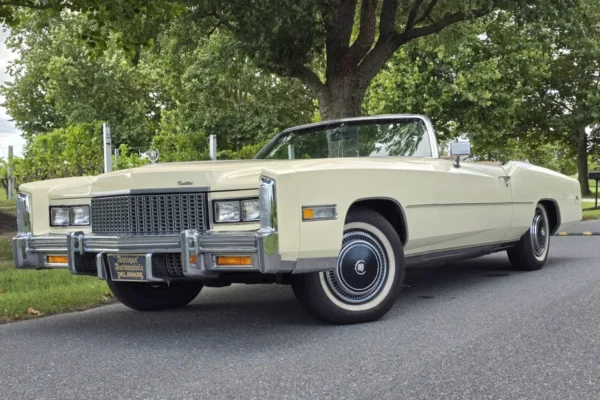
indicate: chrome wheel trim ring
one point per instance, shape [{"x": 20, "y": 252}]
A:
[
  {"x": 538, "y": 233},
  {"x": 375, "y": 270}
]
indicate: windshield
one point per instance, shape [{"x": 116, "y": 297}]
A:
[{"x": 363, "y": 138}]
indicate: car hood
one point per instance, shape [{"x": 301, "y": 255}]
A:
[{"x": 201, "y": 175}]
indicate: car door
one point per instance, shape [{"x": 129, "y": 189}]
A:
[{"x": 474, "y": 203}]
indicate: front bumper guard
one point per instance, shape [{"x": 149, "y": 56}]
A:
[{"x": 32, "y": 252}]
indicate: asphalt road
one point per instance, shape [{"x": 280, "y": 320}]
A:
[{"x": 473, "y": 330}]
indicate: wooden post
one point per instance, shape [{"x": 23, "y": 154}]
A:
[{"x": 11, "y": 174}]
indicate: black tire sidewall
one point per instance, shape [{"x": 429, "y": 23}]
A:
[
  {"x": 311, "y": 292},
  {"x": 522, "y": 255}
]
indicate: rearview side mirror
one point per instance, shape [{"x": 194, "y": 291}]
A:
[{"x": 460, "y": 149}]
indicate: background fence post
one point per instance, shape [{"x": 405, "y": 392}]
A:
[
  {"x": 117, "y": 153},
  {"x": 107, "y": 148},
  {"x": 213, "y": 147},
  {"x": 11, "y": 174}
]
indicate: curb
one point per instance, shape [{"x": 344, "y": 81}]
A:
[{"x": 578, "y": 234}]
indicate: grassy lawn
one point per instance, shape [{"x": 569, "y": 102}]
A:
[
  {"x": 6, "y": 204},
  {"x": 28, "y": 294},
  {"x": 593, "y": 189},
  {"x": 590, "y": 214}
]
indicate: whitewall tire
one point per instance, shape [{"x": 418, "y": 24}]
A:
[
  {"x": 531, "y": 252},
  {"x": 368, "y": 276}
]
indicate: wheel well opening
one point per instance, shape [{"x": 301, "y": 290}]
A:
[
  {"x": 390, "y": 210},
  {"x": 553, "y": 214}
]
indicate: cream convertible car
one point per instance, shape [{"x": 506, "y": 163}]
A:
[{"x": 337, "y": 209}]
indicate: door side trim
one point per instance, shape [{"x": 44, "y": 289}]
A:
[{"x": 461, "y": 254}]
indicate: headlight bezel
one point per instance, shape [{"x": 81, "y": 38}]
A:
[
  {"x": 239, "y": 202},
  {"x": 268, "y": 205},
  {"x": 24, "y": 213},
  {"x": 69, "y": 209}
]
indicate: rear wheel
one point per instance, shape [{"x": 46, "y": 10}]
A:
[
  {"x": 154, "y": 297},
  {"x": 367, "y": 278},
  {"x": 531, "y": 252}
]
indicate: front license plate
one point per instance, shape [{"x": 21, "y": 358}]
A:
[{"x": 127, "y": 267}]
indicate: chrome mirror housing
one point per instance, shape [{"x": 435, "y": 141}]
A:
[{"x": 460, "y": 149}]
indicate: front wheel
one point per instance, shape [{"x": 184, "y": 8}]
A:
[
  {"x": 531, "y": 252},
  {"x": 154, "y": 297},
  {"x": 368, "y": 276}
]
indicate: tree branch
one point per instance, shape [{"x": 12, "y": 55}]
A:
[
  {"x": 339, "y": 31},
  {"x": 308, "y": 77},
  {"x": 446, "y": 21},
  {"x": 387, "y": 18},
  {"x": 411, "y": 21},
  {"x": 387, "y": 46},
  {"x": 366, "y": 34},
  {"x": 427, "y": 13}
]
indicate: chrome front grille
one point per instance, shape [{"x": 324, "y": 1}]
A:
[{"x": 149, "y": 214}]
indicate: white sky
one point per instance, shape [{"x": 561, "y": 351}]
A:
[{"x": 9, "y": 135}]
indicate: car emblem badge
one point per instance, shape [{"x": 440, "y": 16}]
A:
[
  {"x": 360, "y": 267},
  {"x": 184, "y": 183},
  {"x": 153, "y": 155}
]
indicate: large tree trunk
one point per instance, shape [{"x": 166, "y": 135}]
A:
[
  {"x": 341, "y": 97},
  {"x": 582, "y": 162}
]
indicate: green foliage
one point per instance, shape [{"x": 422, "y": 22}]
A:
[
  {"x": 73, "y": 151},
  {"x": 172, "y": 97},
  {"x": 245, "y": 153},
  {"x": 181, "y": 146},
  {"x": 517, "y": 90},
  {"x": 128, "y": 159},
  {"x": 209, "y": 86},
  {"x": 58, "y": 82}
]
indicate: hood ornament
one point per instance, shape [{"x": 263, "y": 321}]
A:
[{"x": 153, "y": 155}]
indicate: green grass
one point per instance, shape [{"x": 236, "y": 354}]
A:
[
  {"x": 593, "y": 189},
  {"x": 5, "y": 203},
  {"x": 24, "y": 293},
  {"x": 590, "y": 214}
]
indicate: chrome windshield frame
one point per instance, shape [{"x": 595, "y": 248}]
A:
[{"x": 384, "y": 118}]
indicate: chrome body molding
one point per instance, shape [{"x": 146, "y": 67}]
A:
[
  {"x": 454, "y": 255},
  {"x": 501, "y": 203},
  {"x": 188, "y": 189}
]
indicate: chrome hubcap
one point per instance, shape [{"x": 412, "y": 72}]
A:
[
  {"x": 539, "y": 233},
  {"x": 361, "y": 271}
]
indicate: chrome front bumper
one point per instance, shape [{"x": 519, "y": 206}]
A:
[{"x": 32, "y": 252}]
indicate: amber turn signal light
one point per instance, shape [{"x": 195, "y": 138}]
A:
[
  {"x": 234, "y": 260},
  {"x": 193, "y": 259},
  {"x": 57, "y": 260}
]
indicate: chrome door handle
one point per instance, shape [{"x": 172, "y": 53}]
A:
[{"x": 506, "y": 179}]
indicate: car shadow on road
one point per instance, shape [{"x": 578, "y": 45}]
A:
[{"x": 260, "y": 316}]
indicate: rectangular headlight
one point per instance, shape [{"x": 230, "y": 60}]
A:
[
  {"x": 70, "y": 216},
  {"x": 227, "y": 211},
  {"x": 59, "y": 216},
  {"x": 80, "y": 215},
  {"x": 250, "y": 210}
]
